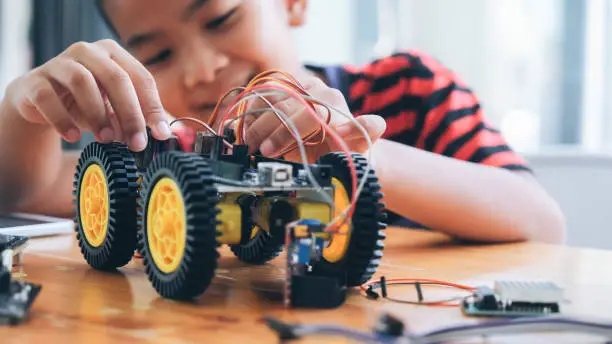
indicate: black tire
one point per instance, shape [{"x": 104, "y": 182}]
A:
[
  {"x": 196, "y": 269},
  {"x": 263, "y": 247},
  {"x": 259, "y": 250},
  {"x": 365, "y": 247},
  {"x": 121, "y": 178}
]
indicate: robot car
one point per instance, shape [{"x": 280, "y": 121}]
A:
[{"x": 176, "y": 208}]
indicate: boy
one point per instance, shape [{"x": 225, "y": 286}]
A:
[{"x": 440, "y": 163}]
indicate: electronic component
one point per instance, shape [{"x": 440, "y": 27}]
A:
[
  {"x": 275, "y": 174},
  {"x": 250, "y": 177},
  {"x": 322, "y": 174},
  {"x": 204, "y": 143},
  {"x": 307, "y": 243},
  {"x": 16, "y": 297},
  {"x": 13, "y": 244},
  {"x": 303, "y": 288},
  {"x": 529, "y": 292},
  {"x": 514, "y": 299}
]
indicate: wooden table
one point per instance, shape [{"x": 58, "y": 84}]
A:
[{"x": 80, "y": 305}]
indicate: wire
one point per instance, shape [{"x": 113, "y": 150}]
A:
[
  {"x": 382, "y": 283},
  {"x": 288, "y": 91},
  {"x": 352, "y": 119},
  {"x": 421, "y": 280},
  {"x": 290, "y": 331},
  {"x": 240, "y": 132},
  {"x": 206, "y": 126},
  {"x": 347, "y": 213},
  {"x": 355, "y": 122},
  {"x": 286, "y": 85},
  {"x": 507, "y": 326},
  {"x": 290, "y": 82},
  {"x": 514, "y": 326},
  {"x": 215, "y": 112}
]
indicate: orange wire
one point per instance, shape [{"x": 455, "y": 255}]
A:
[
  {"x": 364, "y": 286},
  {"x": 335, "y": 226},
  {"x": 290, "y": 84},
  {"x": 215, "y": 112},
  {"x": 420, "y": 280},
  {"x": 265, "y": 77}
]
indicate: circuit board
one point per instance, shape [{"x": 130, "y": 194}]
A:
[
  {"x": 514, "y": 299},
  {"x": 472, "y": 309},
  {"x": 16, "y": 300},
  {"x": 16, "y": 297},
  {"x": 16, "y": 243}
]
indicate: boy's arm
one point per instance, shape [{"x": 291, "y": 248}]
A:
[
  {"x": 456, "y": 173},
  {"x": 57, "y": 200},
  {"x": 463, "y": 199},
  {"x": 35, "y": 174}
]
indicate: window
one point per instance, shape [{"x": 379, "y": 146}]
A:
[
  {"x": 541, "y": 68},
  {"x": 15, "y": 56}
]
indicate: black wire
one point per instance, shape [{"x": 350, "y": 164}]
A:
[
  {"x": 425, "y": 303},
  {"x": 383, "y": 284},
  {"x": 419, "y": 291}
]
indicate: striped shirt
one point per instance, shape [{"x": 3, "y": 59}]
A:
[{"x": 425, "y": 105}]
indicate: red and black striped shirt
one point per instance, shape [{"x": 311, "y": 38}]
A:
[{"x": 425, "y": 106}]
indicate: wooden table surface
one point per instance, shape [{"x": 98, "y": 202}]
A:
[{"x": 80, "y": 305}]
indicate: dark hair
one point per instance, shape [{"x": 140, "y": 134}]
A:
[{"x": 105, "y": 18}]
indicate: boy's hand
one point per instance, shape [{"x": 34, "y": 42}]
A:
[
  {"x": 268, "y": 134},
  {"x": 98, "y": 87}
]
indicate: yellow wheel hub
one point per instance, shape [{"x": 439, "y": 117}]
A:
[
  {"x": 93, "y": 205},
  {"x": 338, "y": 246},
  {"x": 166, "y": 225}
]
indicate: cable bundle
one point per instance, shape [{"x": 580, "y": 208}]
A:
[{"x": 276, "y": 83}]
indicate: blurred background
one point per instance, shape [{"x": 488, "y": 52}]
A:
[{"x": 542, "y": 69}]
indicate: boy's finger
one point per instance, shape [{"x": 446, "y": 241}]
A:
[
  {"x": 44, "y": 98},
  {"x": 83, "y": 87},
  {"x": 264, "y": 101},
  {"x": 356, "y": 145},
  {"x": 146, "y": 89},
  {"x": 374, "y": 125},
  {"x": 121, "y": 92},
  {"x": 110, "y": 113},
  {"x": 262, "y": 127},
  {"x": 283, "y": 137}
]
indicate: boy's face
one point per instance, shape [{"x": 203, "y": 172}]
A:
[{"x": 199, "y": 49}]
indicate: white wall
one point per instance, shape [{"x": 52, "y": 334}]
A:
[
  {"x": 582, "y": 184},
  {"x": 328, "y": 36},
  {"x": 15, "y": 57}
]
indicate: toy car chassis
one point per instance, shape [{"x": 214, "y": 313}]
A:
[{"x": 176, "y": 208}]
